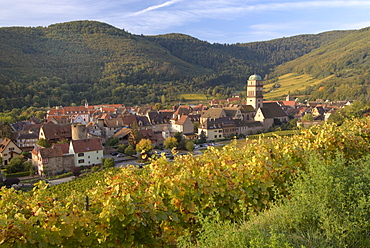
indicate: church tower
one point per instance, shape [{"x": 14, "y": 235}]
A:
[{"x": 254, "y": 91}]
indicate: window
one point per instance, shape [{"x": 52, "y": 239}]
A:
[
  {"x": 81, "y": 161},
  {"x": 81, "y": 154},
  {"x": 215, "y": 136}
]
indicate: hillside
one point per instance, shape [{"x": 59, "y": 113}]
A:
[
  {"x": 345, "y": 60},
  {"x": 85, "y": 60},
  {"x": 275, "y": 88}
]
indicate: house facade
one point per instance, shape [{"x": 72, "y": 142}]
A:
[
  {"x": 54, "y": 132},
  {"x": 270, "y": 113},
  {"x": 8, "y": 150},
  {"x": 50, "y": 161},
  {"x": 26, "y": 141},
  {"x": 182, "y": 124},
  {"x": 86, "y": 152}
]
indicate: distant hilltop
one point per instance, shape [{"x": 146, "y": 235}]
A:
[{"x": 72, "y": 62}]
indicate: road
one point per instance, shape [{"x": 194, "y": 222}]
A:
[{"x": 60, "y": 180}]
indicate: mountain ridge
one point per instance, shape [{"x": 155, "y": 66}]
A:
[{"x": 71, "y": 62}]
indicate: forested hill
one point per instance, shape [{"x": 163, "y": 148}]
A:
[
  {"x": 344, "y": 62},
  {"x": 85, "y": 60}
]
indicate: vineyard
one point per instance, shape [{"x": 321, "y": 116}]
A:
[{"x": 155, "y": 205}]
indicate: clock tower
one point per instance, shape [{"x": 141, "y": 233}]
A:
[{"x": 254, "y": 91}]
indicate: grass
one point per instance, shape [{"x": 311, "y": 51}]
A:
[
  {"x": 194, "y": 96},
  {"x": 199, "y": 97},
  {"x": 290, "y": 82}
]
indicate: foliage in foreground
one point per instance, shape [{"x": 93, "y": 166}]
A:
[
  {"x": 163, "y": 201},
  {"x": 328, "y": 207}
]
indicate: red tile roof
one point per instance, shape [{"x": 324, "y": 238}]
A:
[
  {"x": 4, "y": 144},
  {"x": 86, "y": 145},
  {"x": 51, "y": 152},
  {"x": 182, "y": 120},
  {"x": 64, "y": 147},
  {"x": 54, "y": 131}
]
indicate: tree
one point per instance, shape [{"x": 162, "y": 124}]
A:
[
  {"x": 307, "y": 117},
  {"x": 121, "y": 148},
  {"x": 202, "y": 137},
  {"x": 40, "y": 115},
  {"x": 178, "y": 136},
  {"x": 135, "y": 135},
  {"x": 112, "y": 141},
  {"x": 170, "y": 143},
  {"x": 163, "y": 99},
  {"x": 6, "y": 131},
  {"x": 189, "y": 145},
  {"x": 130, "y": 150},
  {"x": 32, "y": 170},
  {"x": 16, "y": 164},
  {"x": 157, "y": 106},
  {"x": 144, "y": 147},
  {"x": 108, "y": 162},
  {"x": 43, "y": 142},
  {"x": 196, "y": 126}
]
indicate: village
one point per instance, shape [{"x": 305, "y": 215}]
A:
[{"x": 77, "y": 134}]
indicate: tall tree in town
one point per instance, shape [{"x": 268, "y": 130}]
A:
[{"x": 135, "y": 135}]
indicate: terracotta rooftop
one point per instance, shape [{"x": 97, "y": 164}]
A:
[
  {"x": 86, "y": 145},
  {"x": 4, "y": 144},
  {"x": 64, "y": 147},
  {"x": 54, "y": 131},
  {"x": 50, "y": 152}
]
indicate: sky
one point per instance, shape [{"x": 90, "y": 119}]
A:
[{"x": 215, "y": 21}]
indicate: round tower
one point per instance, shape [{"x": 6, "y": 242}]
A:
[
  {"x": 254, "y": 91},
  {"x": 79, "y": 132}
]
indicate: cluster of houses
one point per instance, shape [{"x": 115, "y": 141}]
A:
[{"x": 78, "y": 132}]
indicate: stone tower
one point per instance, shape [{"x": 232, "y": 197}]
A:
[
  {"x": 254, "y": 91},
  {"x": 79, "y": 132}
]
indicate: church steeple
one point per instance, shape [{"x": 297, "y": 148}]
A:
[{"x": 254, "y": 91}]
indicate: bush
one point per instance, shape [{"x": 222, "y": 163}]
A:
[
  {"x": 130, "y": 150},
  {"x": 112, "y": 141},
  {"x": 189, "y": 145},
  {"x": 121, "y": 148},
  {"x": 328, "y": 206},
  {"x": 76, "y": 171},
  {"x": 17, "y": 174},
  {"x": 108, "y": 162},
  {"x": 170, "y": 143},
  {"x": 17, "y": 164}
]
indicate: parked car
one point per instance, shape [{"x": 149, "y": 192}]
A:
[
  {"x": 120, "y": 155},
  {"x": 114, "y": 153}
]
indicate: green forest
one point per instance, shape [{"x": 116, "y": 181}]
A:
[{"x": 73, "y": 62}]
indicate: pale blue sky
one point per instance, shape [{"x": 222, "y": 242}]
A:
[{"x": 220, "y": 21}]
